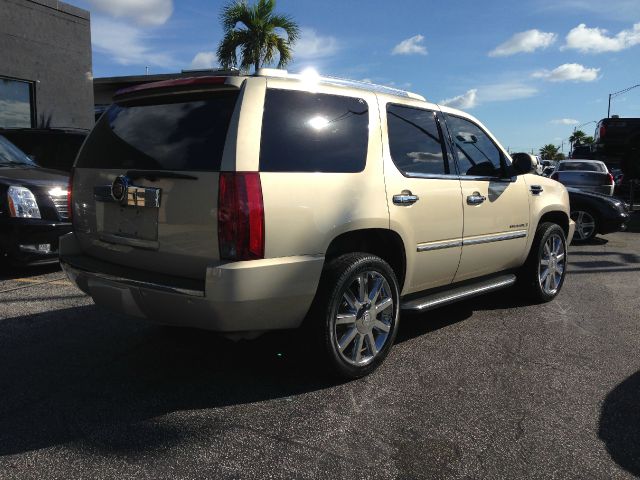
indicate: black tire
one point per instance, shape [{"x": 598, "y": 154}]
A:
[
  {"x": 592, "y": 232},
  {"x": 529, "y": 277},
  {"x": 339, "y": 275}
]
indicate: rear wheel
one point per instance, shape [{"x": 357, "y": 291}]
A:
[
  {"x": 544, "y": 272},
  {"x": 355, "y": 313},
  {"x": 586, "y": 225}
]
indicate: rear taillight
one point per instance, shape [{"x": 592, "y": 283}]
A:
[
  {"x": 611, "y": 180},
  {"x": 554, "y": 176},
  {"x": 240, "y": 216},
  {"x": 603, "y": 131},
  {"x": 69, "y": 197}
]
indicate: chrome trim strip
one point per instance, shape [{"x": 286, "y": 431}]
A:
[
  {"x": 439, "y": 245},
  {"x": 75, "y": 271},
  {"x": 499, "y": 237},
  {"x": 438, "y": 300}
]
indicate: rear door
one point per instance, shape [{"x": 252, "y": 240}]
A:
[
  {"x": 162, "y": 151},
  {"x": 423, "y": 193}
]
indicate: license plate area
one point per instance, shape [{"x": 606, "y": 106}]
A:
[{"x": 137, "y": 223}]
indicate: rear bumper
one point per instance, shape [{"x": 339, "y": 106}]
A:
[
  {"x": 21, "y": 237},
  {"x": 256, "y": 295}
]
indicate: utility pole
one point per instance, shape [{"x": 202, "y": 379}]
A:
[{"x": 615, "y": 94}]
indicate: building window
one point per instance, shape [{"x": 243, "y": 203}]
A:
[{"x": 17, "y": 107}]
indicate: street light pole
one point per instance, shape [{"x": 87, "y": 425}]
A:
[{"x": 614, "y": 94}]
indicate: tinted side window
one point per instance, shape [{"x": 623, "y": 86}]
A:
[
  {"x": 415, "y": 141},
  {"x": 477, "y": 154},
  {"x": 305, "y": 132},
  {"x": 186, "y": 133}
]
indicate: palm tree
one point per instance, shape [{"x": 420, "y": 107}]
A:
[
  {"x": 587, "y": 140},
  {"x": 255, "y": 31},
  {"x": 549, "y": 152},
  {"x": 577, "y": 137}
]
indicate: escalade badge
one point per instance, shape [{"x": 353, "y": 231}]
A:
[{"x": 119, "y": 188}]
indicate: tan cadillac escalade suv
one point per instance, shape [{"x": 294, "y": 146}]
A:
[{"x": 249, "y": 203}]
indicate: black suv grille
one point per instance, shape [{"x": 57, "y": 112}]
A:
[{"x": 60, "y": 202}]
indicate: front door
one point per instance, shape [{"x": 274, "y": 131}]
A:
[
  {"x": 496, "y": 209},
  {"x": 423, "y": 194}
]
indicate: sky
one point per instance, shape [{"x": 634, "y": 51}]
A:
[{"x": 531, "y": 71}]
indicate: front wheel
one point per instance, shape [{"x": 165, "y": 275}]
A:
[
  {"x": 544, "y": 272},
  {"x": 356, "y": 313}
]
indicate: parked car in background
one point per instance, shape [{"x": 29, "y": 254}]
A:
[
  {"x": 595, "y": 213},
  {"x": 588, "y": 175},
  {"x": 33, "y": 208},
  {"x": 250, "y": 203},
  {"x": 54, "y": 148},
  {"x": 547, "y": 171}
]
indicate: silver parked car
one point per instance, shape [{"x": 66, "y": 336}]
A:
[{"x": 588, "y": 175}]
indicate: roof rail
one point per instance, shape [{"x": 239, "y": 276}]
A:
[{"x": 341, "y": 82}]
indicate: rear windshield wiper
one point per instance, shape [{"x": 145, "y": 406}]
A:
[{"x": 155, "y": 174}]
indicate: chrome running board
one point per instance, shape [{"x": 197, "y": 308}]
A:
[{"x": 439, "y": 299}]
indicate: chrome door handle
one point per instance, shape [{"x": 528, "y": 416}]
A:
[
  {"x": 405, "y": 199},
  {"x": 475, "y": 198}
]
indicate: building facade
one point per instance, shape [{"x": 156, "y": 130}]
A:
[{"x": 45, "y": 65}]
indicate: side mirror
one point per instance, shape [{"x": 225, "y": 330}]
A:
[{"x": 522, "y": 163}]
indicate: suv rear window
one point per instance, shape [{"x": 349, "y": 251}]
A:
[
  {"x": 184, "y": 133},
  {"x": 309, "y": 132}
]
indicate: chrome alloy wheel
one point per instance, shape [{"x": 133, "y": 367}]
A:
[
  {"x": 585, "y": 224},
  {"x": 552, "y": 264},
  {"x": 364, "y": 318}
]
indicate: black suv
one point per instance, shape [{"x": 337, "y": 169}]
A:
[{"x": 33, "y": 208}]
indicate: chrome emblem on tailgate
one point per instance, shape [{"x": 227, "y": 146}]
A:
[{"x": 121, "y": 191}]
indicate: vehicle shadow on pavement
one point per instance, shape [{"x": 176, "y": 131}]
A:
[
  {"x": 83, "y": 373},
  {"x": 9, "y": 272},
  {"x": 620, "y": 424},
  {"x": 86, "y": 377}
]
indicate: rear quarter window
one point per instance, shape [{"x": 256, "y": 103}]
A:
[
  {"x": 183, "y": 133},
  {"x": 309, "y": 132}
]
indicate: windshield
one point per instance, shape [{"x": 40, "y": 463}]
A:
[
  {"x": 581, "y": 166},
  {"x": 12, "y": 155}
]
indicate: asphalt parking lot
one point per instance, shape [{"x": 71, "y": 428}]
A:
[{"x": 490, "y": 388}]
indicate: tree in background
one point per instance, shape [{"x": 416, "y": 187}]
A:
[
  {"x": 255, "y": 30},
  {"x": 577, "y": 137},
  {"x": 549, "y": 152}
]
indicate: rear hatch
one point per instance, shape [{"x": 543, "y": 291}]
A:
[{"x": 145, "y": 186}]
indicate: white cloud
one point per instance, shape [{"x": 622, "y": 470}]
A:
[
  {"x": 565, "y": 121},
  {"x": 125, "y": 44},
  {"x": 311, "y": 45},
  {"x": 596, "y": 40},
  {"x": 411, "y": 46},
  {"x": 465, "y": 101},
  {"x": 526, "y": 42},
  {"x": 204, "y": 60},
  {"x": 503, "y": 92},
  {"x": 498, "y": 92},
  {"x": 569, "y": 72},
  {"x": 142, "y": 12}
]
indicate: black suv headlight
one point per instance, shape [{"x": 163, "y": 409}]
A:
[{"x": 22, "y": 203}]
